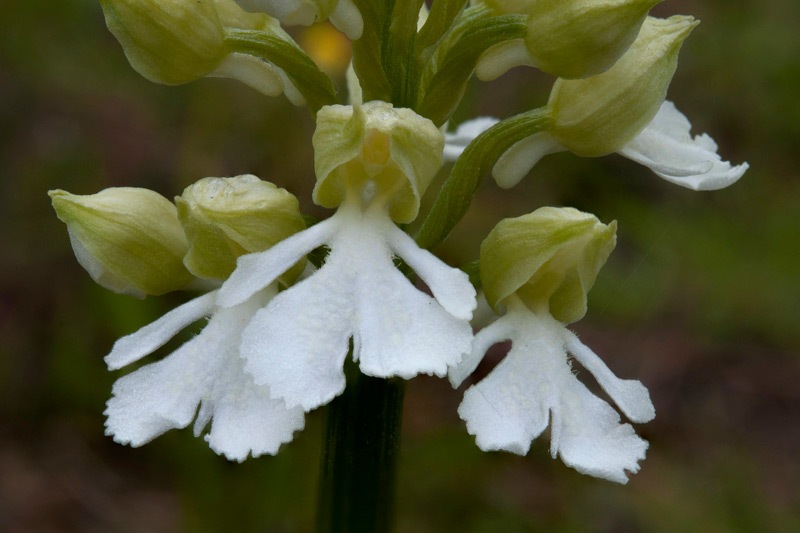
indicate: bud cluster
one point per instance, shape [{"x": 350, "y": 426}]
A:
[{"x": 135, "y": 241}]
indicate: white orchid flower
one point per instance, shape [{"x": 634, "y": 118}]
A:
[
  {"x": 665, "y": 146},
  {"x": 535, "y": 386},
  {"x": 540, "y": 267},
  {"x": 373, "y": 161}
]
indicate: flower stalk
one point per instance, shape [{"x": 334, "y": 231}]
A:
[{"x": 358, "y": 464}]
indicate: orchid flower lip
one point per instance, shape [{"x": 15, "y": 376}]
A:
[
  {"x": 207, "y": 371},
  {"x": 534, "y": 387},
  {"x": 296, "y": 345}
]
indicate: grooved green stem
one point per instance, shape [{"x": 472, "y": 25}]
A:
[
  {"x": 362, "y": 440},
  {"x": 476, "y": 161}
]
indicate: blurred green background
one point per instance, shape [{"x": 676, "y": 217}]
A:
[{"x": 700, "y": 300}]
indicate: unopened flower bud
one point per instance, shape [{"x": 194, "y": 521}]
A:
[
  {"x": 548, "y": 258},
  {"x": 168, "y": 41},
  {"x": 598, "y": 115},
  {"x": 396, "y": 150},
  {"x": 128, "y": 239},
  {"x": 581, "y": 38},
  {"x": 225, "y": 218}
]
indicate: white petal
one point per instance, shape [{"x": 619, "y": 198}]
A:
[
  {"x": 256, "y": 271},
  {"x": 297, "y": 344},
  {"x": 154, "y": 335},
  {"x": 509, "y": 407},
  {"x": 630, "y": 395},
  {"x": 668, "y": 149},
  {"x": 450, "y": 286},
  {"x": 401, "y": 330},
  {"x": 456, "y": 142},
  {"x": 519, "y": 160},
  {"x": 587, "y": 434},
  {"x": 347, "y": 19},
  {"x": 499, "y": 331}
]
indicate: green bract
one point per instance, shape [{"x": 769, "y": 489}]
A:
[
  {"x": 394, "y": 148},
  {"x": 581, "y": 38},
  {"x": 227, "y": 217},
  {"x": 128, "y": 239},
  {"x": 598, "y": 115},
  {"x": 509, "y": 7},
  {"x": 168, "y": 41},
  {"x": 548, "y": 258}
]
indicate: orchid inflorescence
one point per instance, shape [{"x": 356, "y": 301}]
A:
[{"x": 287, "y": 304}]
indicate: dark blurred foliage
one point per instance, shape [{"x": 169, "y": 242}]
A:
[{"x": 699, "y": 301}]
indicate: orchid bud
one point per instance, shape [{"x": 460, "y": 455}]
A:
[
  {"x": 581, "y": 38},
  {"x": 548, "y": 258},
  {"x": 225, "y": 218},
  {"x": 375, "y": 145},
  {"x": 598, "y": 115},
  {"x": 129, "y": 240},
  {"x": 168, "y": 41}
]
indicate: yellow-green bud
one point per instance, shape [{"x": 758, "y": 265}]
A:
[
  {"x": 581, "y": 38},
  {"x": 393, "y": 148},
  {"x": 599, "y": 115},
  {"x": 128, "y": 239},
  {"x": 168, "y": 41},
  {"x": 549, "y": 259},
  {"x": 225, "y": 218}
]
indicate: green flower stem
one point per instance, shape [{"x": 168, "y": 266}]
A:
[
  {"x": 362, "y": 440},
  {"x": 316, "y": 87},
  {"x": 442, "y": 15},
  {"x": 477, "y": 160},
  {"x": 477, "y": 33}
]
